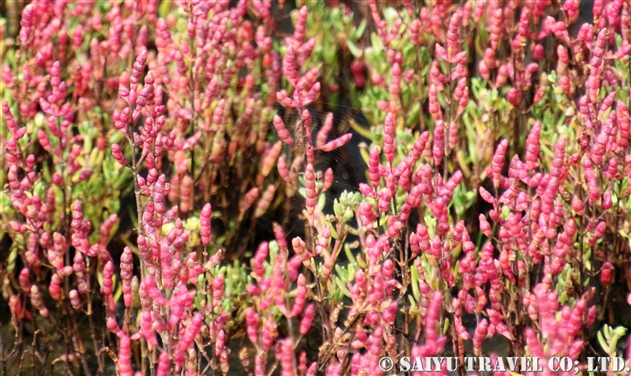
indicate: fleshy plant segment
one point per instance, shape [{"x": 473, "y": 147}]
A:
[{"x": 156, "y": 153}]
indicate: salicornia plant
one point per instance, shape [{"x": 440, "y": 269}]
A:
[{"x": 167, "y": 207}]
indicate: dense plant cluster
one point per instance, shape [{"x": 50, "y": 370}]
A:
[{"x": 158, "y": 155}]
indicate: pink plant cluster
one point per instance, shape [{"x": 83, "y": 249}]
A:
[
  {"x": 547, "y": 214},
  {"x": 495, "y": 203}
]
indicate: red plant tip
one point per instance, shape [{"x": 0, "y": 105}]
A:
[
  {"x": 394, "y": 229},
  {"x": 373, "y": 167},
  {"x": 55, "y": 287},
  {"x": 24, "y": 280},
  {"x": 127, "y": 267},
  {"x": 300, "y": 248},
  {"x": 533, "y": 146},
  {"x": 323, "y": 133},
  {"x": 307, "y": 319},
  {"x": 159, "y": 194},
  {"x": 388, "y": 137},
  {"x": 479, "y": 335},
  {"x": 301, "y": 296},
  {"x": 438, "y": 150},
  {"x": 606, "y": 273},
  {"x": 337, "y": 143},
  {"x": 259, "y": 258},
  {"x": 164, "y": 365},
  {"x": 204, "y": 224},
  {"x": 285, "y": 354},
  {"x": 75, "y": 299},
  {"x": 186, "y": 193},
  {"x": 498, "y": 162},
  {"x": 270, "y": 157},
  {"x": 279, "y": 235},
  {"x": 453, "y": 33},
  {"x": 283, "y": 133},
  {"x": 37, "y": 301},
  {"x": 124, "y": 356},
  {"x": 108, "y": 274},
  {"x": 269, "y": 333},
  {"x": 265, "y": 201},
  {"x": 248, "y": 199},
  {"x": 112, "y": 325},
  {"x": 311, "y": 194},
  {"x": 289, "y": 65},
  {"x": 27, "y": 22},
  {"x": 252, "y": 325},
  {"x": 187, "y": 340},
  {"x": 307, "y": 121},
  {"x": 328, "y": 179},
  {"x": 514, "y": 97}
]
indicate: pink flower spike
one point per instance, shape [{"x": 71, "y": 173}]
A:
[
  {"x": 124, "y": 355},
  {"x": 323, "y": 133},
  {"x": 438, "y": 150},
  {"x": 204, "y": 223},
  {"x": 388, "y": 137},
  {"x": 127, "y": 268},
  {"x": 337, "y": 143},
  {"x": 307, "y": 319},
  {"x": 265, "y": 201},
  {"x": 373, "y": 167},
  {"x": 269, "y": 159},
  {"x": 498, "y": 162},
  {"x": 311, "y": 193},
  {"x": 283, "y": 133}
]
